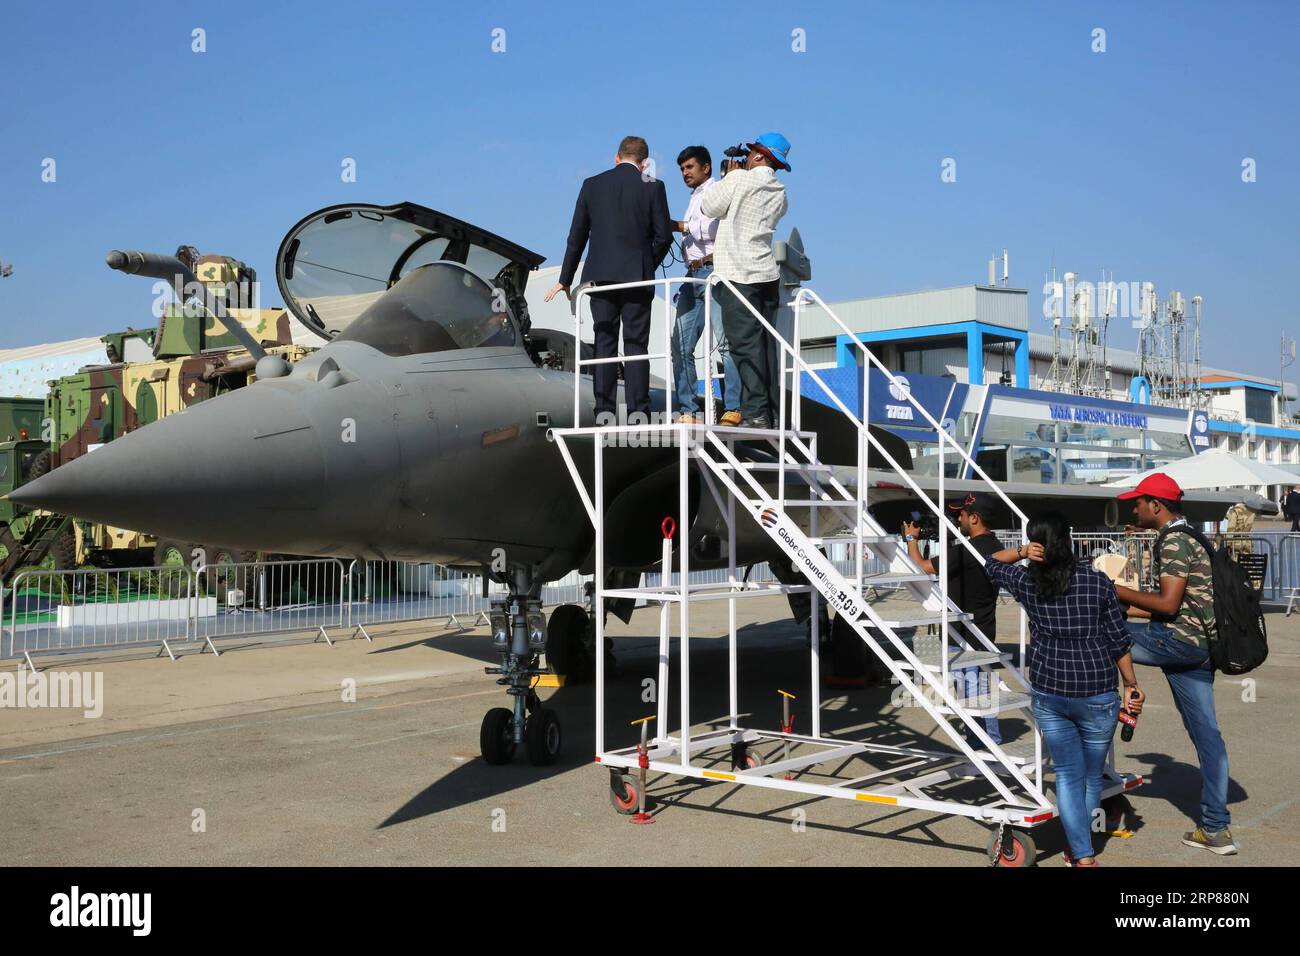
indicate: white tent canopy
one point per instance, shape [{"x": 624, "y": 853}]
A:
[{"x": 1216, "y": 468}]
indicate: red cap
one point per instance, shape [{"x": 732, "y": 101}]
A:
[{"x": 1158, "y": 485}]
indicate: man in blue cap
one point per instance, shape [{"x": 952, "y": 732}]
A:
[{"x": 749, "y": 202}]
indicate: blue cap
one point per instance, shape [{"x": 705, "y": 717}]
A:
[{"x": 777, "y": 145}]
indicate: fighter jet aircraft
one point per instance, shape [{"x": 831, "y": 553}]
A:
[{"x": 420, "y": 431}]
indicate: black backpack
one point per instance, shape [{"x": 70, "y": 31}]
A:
[{"x": 1240, "y": 641}]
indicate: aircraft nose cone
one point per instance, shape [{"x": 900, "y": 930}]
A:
[{"x": 243, "y": 470}]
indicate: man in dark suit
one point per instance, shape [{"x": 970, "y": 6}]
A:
[
  {"x": 623, "y": 216},
  {"x": 1291, "y": 507}
]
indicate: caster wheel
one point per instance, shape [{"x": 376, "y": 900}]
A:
[
  {"x": 1119, "y": 813},
  {"x": 496, "y": 736},
  {"x": 751, "y": 761},
  {"x": 1017, "y": 849},
  {"x": 625, "y": 793},
  {"x": 542, "y": 738}
]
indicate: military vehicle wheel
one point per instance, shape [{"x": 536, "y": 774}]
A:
[
  {"x": 496, "y": 736},
  {"x": 565, "y": 653},
  {"x": 40, "y": 465},
  {"x": 171, "y": 554},
  {"x": 1017, "y": 849},
  {"x": 625, "y": 793},
  {"x": 222, "y": 576},
  {"x": 542, "y": 738},
  {"x": 64, "y": 551},
  {"x": 218, "y": 556},
  {"x": 848, "y": 653}
]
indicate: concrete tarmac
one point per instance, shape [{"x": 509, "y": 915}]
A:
[{"x": 258, "y": 758}]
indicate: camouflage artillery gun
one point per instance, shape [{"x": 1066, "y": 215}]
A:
[{"x": 189, "y": 357}]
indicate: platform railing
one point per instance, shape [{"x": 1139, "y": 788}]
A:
[{"x": 587, "y": 290}]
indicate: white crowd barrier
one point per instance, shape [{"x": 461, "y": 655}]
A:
[{"x": 94, "y": 611}]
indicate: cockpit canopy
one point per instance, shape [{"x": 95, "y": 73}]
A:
[
  {"x": 404, "y": 279},
  {"x": 436, "y": 307}
]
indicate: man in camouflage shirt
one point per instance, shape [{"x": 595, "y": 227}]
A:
[{"x": 1175, "y": 638}]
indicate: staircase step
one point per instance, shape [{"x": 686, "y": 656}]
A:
[
  {"x": 867, "y": 539},
  {"x": 849, "y": 503},
  {"x": 889, "y": 577},
  {"x": 925, "y": 619},
  {"x": 980, "y": 707},
  {"x": 796, "y": 467},
  {"x": 964, "y": 659},
  {"x": 1020, "y": 751},
  {"x": 928, "y": 648}
]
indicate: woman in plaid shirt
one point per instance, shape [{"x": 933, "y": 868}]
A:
[{"x": 1079, "y": 646}]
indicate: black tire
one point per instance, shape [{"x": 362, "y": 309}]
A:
[
  {"x": 41, "y": 465},
  {"x": 848, "y": 652},
  {"x": 542, "y": 738},
  {"x": 565, "y": 651},
  {"x": 1119, "y": 812},
  {"x": 1017, "y": 849},
  {"x": 625, "y": 794},
  {"x": 496, "y": 736},
  {"x": 64, "y": 550}
]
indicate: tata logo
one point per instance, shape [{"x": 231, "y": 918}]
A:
[
  {"x": 900, "y": 389},
  {"x": 1201, "y": 423},
  {"x": 902, "y": 412}
]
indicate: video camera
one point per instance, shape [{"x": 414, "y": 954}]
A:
[
  {"x": 929, "y": 525},
  {"x": 735, "y": 157}
]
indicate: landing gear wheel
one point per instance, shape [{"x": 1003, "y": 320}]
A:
[
  {"x": 1017, "y": 849},
  {"x": 566, "y": 652},
  {"x": 496, "y": 736},
  {"x": 848, "y": 653},
  {"x": 542, "y": 738},
  {"x": 625, "y": 793}
]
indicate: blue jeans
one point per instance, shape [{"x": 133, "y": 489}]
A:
[
  {"x": 977, "y": 683},
  {"x": 687, "y": 331},
  {"x": 1191, "y": 678},
  {"x": 1078, "y": 732}
]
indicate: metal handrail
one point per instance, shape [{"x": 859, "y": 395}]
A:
[
  {"x": 863, "y": 430},
  {"x": 940, "y": 431},
  {"x": 579, "y": 361}
]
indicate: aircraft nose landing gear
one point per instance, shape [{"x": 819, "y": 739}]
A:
[{"x": 519, "y": 635}]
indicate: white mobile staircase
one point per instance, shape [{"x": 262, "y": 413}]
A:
[{"x": 791, "y": 494}]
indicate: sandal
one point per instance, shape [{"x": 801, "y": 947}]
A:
[{"x": 1070, "y": 861}]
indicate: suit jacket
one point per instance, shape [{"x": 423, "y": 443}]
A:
[
  {"x": 1291, "y": 505},
  {"x": 625, "y": 221}
]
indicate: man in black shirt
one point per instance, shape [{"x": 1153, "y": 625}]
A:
[{"x": 969, "y": 587}]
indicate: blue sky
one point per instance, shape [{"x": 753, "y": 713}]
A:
[{"x": 1128, "y": 159}]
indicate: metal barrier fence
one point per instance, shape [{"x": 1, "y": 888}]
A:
[
  {"x": 1282, "y": 550},
  {"x": 52, "y": 612},
  {"x": 56, "y": 611},
  {"x": 268, "y": 597}
]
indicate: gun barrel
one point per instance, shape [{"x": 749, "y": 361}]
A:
[{"x": 150, "y": 264}]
